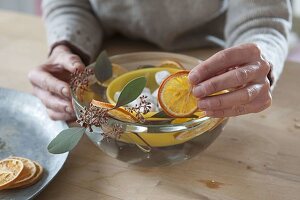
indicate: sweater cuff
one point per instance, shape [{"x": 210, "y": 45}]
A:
[{"x": 79, "y": 42}]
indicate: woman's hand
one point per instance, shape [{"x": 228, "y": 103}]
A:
[
  {"x": 49, "y": 82},
  {"x": 240, "y": 69}
]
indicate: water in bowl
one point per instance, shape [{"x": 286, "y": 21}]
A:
[{"x": 153, "y": 144}]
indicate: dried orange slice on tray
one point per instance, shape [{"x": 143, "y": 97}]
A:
[
  {"x": 118, "y": 113},
  {"x": 27, "y": 173},
  {"x": 175, "y": 95},
  {"x": 10, "y": 169},
  {"x": 37, "y": 176}
]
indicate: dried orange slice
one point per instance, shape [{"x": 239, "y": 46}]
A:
[
  {"x": 10, "y": 169},
  {"x": 27, "y": 173},
  {"x": 118, "y": 113},
  {"x": 171, "y": 64},
  {"x": 175, "y": 95},
  {"x": 37, "y": 176}
]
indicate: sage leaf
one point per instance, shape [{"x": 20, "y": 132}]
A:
[
  {"x": 103, "y": 67},
  {"x": 66, "y": 140},
  {"x": 131, "y": 91}
]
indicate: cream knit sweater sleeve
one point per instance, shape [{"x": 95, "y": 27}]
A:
[
  {"x": 266, "y": 23},
  {"x": 74, "y": 22}
]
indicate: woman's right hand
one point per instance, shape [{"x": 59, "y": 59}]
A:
[{"x": 50, "y": 82}]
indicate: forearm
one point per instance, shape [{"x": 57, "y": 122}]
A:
[
  {"x": 72, "y": 23},
  {"x": 265, "y": 23}
]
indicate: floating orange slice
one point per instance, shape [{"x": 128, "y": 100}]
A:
[
  {"x": 118, "y": 113},
  {"x": 171, "y": 64},
  {"x": 175, "y": 95}
]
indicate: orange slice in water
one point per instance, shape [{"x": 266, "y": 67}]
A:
[
  {"x": 118, "y": 113},
  {"x": 175, "y": 95}
]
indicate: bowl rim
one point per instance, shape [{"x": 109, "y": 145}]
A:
[{"x": 141, "y": 128}]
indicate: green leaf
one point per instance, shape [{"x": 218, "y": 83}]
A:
[
  {"x": 103, "y": 67},
  {"x": 131, "y": 91},
  {"x": 162, "y": 114},
  {"x": 98, "y": 89},
  {"x": 66, "y": 140}
]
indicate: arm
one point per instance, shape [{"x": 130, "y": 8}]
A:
[
  {"x": 74, "y": 36},
  {"x": 265, "y": 23},
  {"x": 73, "y": 23}
]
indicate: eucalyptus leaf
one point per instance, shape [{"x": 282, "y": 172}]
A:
[
  {"x": 162, "y": 114},
  {"x": 98, "y": 89},
  {"x": 66, "y": 140},
  {"x": 103, "y": 67},
  {"x": 131, "y": 91}
]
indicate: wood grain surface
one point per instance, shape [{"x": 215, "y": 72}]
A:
[{"x": 256, "y": 157}]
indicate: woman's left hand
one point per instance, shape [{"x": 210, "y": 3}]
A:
[{"x": 240, "y": 69}]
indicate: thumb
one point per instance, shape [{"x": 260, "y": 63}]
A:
[{"x": 72, "y": 62}]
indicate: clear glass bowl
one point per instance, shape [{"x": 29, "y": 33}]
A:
[{"x": 155, "y": 145}]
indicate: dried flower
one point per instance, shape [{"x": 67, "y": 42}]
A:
[
  {"x": 141, "y": 109},
  {"x": 96, "y": 116},
  {"x": 116, "y": 131},
  {"x": 80, "y": 78},
  {"x": 93, "y": 116}
]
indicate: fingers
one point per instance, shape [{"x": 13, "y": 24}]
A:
[
  {"x": 231, "y": 79},
  {"x": 53, "y": 102},
  {"x": 46, "y": 81},
  {"x": 61, "y": 55},
  {"x": 70, "y": 62},
  {"x": 60, "y": 116},
  {"x": 225, "y": 59},
  {"x": 239, "y": 97},
  {"x": 220, "y": 106},
  {"x": 239, "y": 110},
  {"x": 57, "y": 108}
]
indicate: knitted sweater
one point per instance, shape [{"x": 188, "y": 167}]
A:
[{"x": 172, "y": 24}]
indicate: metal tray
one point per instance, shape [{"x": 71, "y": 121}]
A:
[{"x": 26, "y": 130}]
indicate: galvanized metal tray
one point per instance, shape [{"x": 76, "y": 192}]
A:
[{"x": 26, "y": 130}]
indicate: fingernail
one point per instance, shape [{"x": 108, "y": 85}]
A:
[
  {"x": 193, "y": 77},
  {"x": 68, "y": 109},
  {"x": 199, "y": 91},
  {"x": 202, "y": 104},
  {"x": 65, "y": 92}
]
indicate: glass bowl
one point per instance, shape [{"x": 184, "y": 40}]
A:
[{"x": 153, "y": 145}]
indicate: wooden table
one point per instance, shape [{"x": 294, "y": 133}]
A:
[{"x": 256, "y": 157}]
